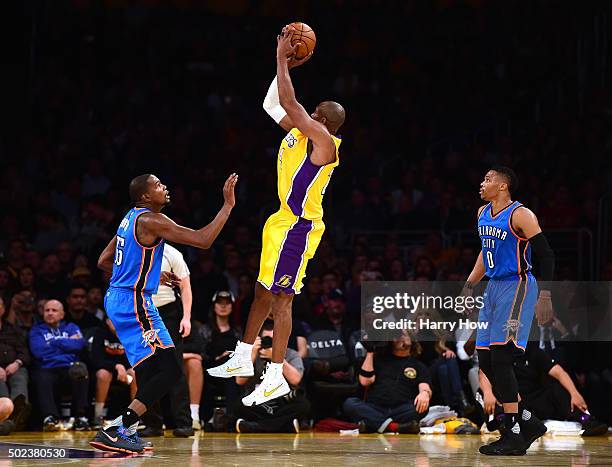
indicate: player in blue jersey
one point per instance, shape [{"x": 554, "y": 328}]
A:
[
  {"x": 134, "y": 256},
  {"x": 508, "y": 231}
]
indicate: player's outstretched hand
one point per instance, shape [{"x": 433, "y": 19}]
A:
[
  {"x": 283, "y": 43},
  {"x": 228, "y": 190}
]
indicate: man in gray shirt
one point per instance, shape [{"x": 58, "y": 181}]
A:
[{"x": 279, "y": 415}]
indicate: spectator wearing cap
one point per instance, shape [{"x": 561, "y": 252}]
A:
[
  {"x": 55, "y": 345},
  {"x": 82, "y": 277},
  {"x": 173, "y": 300},
  {"x": 22, "y": 312},
  {"x": 334, "y": 316},
  {"x": 14, "y": 356},
  {"x": 217, "y": 336}
]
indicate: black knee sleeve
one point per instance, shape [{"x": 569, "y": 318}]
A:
[
  {"x": 484, "y": 363},
  {"x": 156, "y": 375},
  {"x": 505, "y": 386}
]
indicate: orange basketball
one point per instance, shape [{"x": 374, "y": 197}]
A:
[{"x": 305, "y": 36}]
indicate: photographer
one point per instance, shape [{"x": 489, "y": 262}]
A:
[
  {"x": 398, "y": 388},
  {"x": 279, "y": 415}
]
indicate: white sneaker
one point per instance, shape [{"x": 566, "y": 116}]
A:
[
  {"x": 237, "y": 365},
  {"x": 272, "y": 386}
]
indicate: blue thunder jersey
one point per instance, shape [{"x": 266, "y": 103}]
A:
[
  {"x": 136, "y": 267},
  {"x": 505, "y": 254}
]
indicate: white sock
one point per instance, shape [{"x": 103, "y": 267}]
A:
[
  {"x": 276, "y": 369},
  {"x": 98, "y": 409},
  {"x": 195, "y": 412},
  {"x": 244, "y": 350},
  {"x": 117, "y": 421}
]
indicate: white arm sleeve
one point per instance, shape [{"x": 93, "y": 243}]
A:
[{"x": 271, "y": 103}]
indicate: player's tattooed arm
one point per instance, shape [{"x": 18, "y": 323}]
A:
[
  {"x": 159, "y": 225},
  {"x": 105, "y": 261},
  {"x": 314, "y": 130}
]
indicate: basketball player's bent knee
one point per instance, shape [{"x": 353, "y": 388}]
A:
[{"x": 282, "y": 303}]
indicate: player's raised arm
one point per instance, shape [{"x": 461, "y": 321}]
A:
[
  {"x": 271, "y": 103},
  {"x": 159, "y": 225},
  {"x": 525, "y": 223},
  {"x": 105, "y": 261},
  {"x": 313, "y": 129}
]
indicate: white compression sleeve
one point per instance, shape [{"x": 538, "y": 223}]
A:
[{"x": 271, "y": 103}]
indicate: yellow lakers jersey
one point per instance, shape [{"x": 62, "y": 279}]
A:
[{"x": 302, "y": 184}]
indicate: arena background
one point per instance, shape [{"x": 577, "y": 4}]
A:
[{"x": 435, "y": 93}]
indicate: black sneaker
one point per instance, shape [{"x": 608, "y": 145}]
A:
[
  {"x": 81, "y": 424},
  {"x": 594, "y": 428},
  {"x": 532, "y": 429},
  {"x": 183, "y": 432},
  {"x": 50, "y": 423},
  {"x": 117, "y": 439},
  {"x": 411, "y": 427},
  {"x": 242, "y": 426},
  {"x": 509, "y": 444},
  {"x": 7, "y": 427},
  {"x": 21, "y": 412}
]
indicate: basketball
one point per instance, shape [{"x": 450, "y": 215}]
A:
[{"x": 306, "y": 37}]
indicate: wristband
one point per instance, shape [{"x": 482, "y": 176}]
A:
[{"x": 366, "y": 373}]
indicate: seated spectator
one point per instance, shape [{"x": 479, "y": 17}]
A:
[
  {"x": 111, "y": 365},
  {"x": 78, "y": 313},
  {"x": 27, "y": 279},
  {"x": 280, "y": 415},
  {"x": 50, "y": 281},
  {"x": 334, "y": 316},
  {"x": 297, "y": 338},
  {"x": 218, "y": 336},
  {"x": 330, "y": 373},
  {"x": 95, "y": 302},
  {"x": 547, "y": 390},
  {"x": 398, "y": 389},
  {"x": 55, "y": 345},
  {"x": 14, "y": 356},
  {"x": 442, "y": 363},
  {"x": 22, "y": 312}
]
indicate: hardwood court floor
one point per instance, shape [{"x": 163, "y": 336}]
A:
[{"x": 308, "y": 449}]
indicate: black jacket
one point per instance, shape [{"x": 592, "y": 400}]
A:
[{"x": 13, "y": 345}]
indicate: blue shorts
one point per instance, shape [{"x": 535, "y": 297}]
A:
[
  {"x": 139, "y": 326},
  {"x": 509, "y": 306}
]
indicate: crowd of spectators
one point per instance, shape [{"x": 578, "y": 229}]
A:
[{"x": 130, "y": 88}]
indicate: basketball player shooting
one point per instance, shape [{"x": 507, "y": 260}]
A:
[
  {"x": 134, "y": 256},
  {"x": 307, "y": 157},
  {"x": 507, "y": 231}
]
